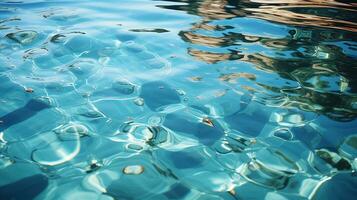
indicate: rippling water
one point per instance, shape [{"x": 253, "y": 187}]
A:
[{"x": 178, "y": 99}]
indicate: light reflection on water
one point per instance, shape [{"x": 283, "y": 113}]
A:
[{"x": 178, "y": 99}]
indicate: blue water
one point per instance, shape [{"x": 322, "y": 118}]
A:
[{"x": 178, "y": 99}]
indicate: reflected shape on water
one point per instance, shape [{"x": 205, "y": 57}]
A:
[
  {"x": 155, "y": 30},
  {"x": 321, "y": 80},
  {"x": 26, "y": 188},
  {"x": 334, "y": 159},
  {"x": 231, "y": 78},
  {"x": 29, "y": 110},
  {"x": 303, "y": 53}
]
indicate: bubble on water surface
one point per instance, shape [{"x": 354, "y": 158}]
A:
[
  {"x": 133, "y": 170},
  {"x": 283, "y": 133},
  {"x": 139, "y": 101},
  {"x": 56, "y": 153},
  {"x": 63, "y": 149},
  {"x": 134, "y": 147}
]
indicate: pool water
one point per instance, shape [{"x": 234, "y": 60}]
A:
[{"x": 178, "y": 99}]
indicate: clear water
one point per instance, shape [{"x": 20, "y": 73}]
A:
[{"x": 178, "y": 99}]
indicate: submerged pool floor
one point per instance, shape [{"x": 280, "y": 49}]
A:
[{"x": 178, "y": 99}]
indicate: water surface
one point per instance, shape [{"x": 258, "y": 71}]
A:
[{"x": 178, "y": 99}]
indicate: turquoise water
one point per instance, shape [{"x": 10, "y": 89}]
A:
[{"x": 178, "y": 99}]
